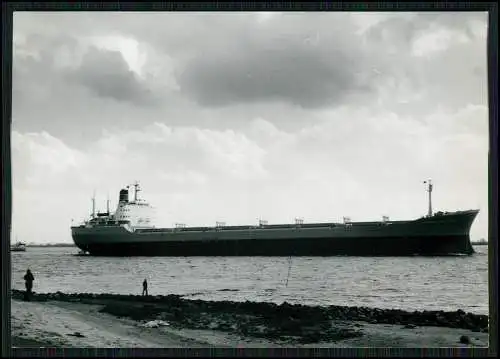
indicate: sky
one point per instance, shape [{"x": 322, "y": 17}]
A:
[{"x": 236, "y": 117}]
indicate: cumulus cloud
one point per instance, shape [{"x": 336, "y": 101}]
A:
[
  {"x": 304, "y": 173},
  {"x": 43, "y": 160},
  {"x": 294, "y": 75},
  {"x": 107, "y": 74},
  {"x": 248, "y": 115},
  {"x": 291, "y": 60}
]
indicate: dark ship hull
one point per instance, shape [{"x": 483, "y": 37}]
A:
[{"x": 439, "y": 235}]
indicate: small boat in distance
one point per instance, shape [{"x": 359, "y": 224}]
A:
[
  {"x": 481, "y": 242},
  {"x": 18, "y": 247}
]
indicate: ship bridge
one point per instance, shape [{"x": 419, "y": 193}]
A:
[{"x": 136, "y": 212}]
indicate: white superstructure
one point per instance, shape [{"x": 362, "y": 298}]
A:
[{"x": 134, "y": 214}]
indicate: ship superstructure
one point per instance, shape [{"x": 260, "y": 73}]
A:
[
  {"x": 129, "y": 231},
  {"x": 132, "y": 213}
]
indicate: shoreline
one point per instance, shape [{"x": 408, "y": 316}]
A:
[{"x": 174, "y": 321}]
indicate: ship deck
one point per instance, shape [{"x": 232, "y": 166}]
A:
[{"x": 268, "y": 226}]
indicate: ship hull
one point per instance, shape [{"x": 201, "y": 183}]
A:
[{"x": 435, "y": 236}]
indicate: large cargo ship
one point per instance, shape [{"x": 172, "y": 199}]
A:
[{"x": 129, "y": 232}]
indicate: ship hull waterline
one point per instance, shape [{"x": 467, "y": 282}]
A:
[{"x": 435, "y": 236}]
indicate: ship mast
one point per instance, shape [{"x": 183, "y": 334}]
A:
[
  {"x": 429, "y": 190},
  {"x": 107, "y": 205},
  {"x": 93, "y": 205},
  {"x": 136, "y": 190}
]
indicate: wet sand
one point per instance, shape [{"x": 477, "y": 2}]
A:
[{"x": 89, "y": 320}]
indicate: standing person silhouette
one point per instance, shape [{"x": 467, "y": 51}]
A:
[
  {"x": 145, "y": 287},
  {"x": 28, "y": 282}
]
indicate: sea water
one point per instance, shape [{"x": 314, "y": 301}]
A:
[{"x": 410, "y": 283}]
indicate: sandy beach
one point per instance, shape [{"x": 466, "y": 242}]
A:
[{"x": 60, "y": 320}]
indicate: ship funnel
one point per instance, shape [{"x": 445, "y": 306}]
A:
[{"x": 124, "y": 195}]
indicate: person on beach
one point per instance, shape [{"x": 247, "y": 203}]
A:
[
  {"x": 145, "y": 287},
  {"x": 28, "y": 282}
]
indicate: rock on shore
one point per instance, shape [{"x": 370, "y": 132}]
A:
[{"x": 306, "y": 324}]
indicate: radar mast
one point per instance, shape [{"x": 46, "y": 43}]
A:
[
  {"x": 136, "y": 190},
  {"x": 429, "y": 190},
  {"x": 93, "y": 205}
]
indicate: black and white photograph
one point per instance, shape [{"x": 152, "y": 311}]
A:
[{"x": 249, "y": 179}]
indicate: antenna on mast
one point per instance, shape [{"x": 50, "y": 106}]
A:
[
  {"x": 136, "y": 190},
  {"x": 93, "y": 205},
  {"x": 429, "y": 189}
]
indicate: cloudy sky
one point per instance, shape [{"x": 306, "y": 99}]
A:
[{"x": 238, "y": 116}]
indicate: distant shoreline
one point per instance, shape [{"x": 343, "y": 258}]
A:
[{"x": 51, "y": 245}]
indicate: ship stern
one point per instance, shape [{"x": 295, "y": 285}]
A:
[{"x": 77, "y": 234}]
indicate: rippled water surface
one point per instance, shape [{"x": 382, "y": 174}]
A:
[{"x": 415, "y": 283}]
